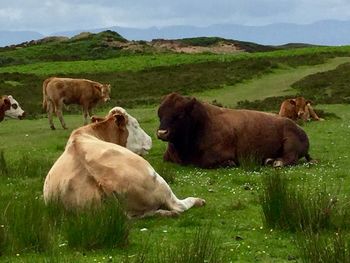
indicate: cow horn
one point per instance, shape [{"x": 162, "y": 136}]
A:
[{"x": 162, "y": 133}]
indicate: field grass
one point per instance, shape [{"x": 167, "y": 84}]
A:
[
  {"x": 278, "y": 83},
  {"x": 232, "y": 209},
  {"x": 233, "y": 217}
]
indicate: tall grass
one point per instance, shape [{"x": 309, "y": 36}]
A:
[
  {"x": 25, "y": 166},
  {"x": 324, "y": 248},
  {"x": 25, "y": 226},
  {"x": 3, "y": 164},
  {"x": 288, "y": 207},
  {"x": 203, "y": 246},
  {"x": 104, "y": 226}
]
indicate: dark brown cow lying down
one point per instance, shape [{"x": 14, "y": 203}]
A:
[
  {"x": 95, "y": 164},
  {"x": 84, "y": 92},
  {"x": 298, "y": 108},
  {"x": 5, "y": 105},
  {"x": 209, "y": 136}
]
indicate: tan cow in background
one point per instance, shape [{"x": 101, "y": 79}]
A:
[
  {"x": 298, "y": 108},
  {"x": 60, "y": 91},
  {"x": 96, "y": 164}
]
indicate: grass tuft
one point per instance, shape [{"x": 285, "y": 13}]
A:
[
  {"x": 286, "y": 207},
  {"x": 323, "y": 248},
  {"x": 25, "y": 226},
  {"x": 3, "y": 164},
  {"x": 202, "y": 247},
  {"x": 94, "y": 227}
]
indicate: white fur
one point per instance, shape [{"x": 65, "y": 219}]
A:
[
  {"x": 138, "y": 140},
  {"x": 12, "y": 112}
]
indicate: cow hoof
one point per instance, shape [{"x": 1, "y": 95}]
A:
[
  {"x": 277, "y": 164},
  {"x": 52, "y": 127},
  {"x": 65, "y": 128},
  {"x": 200, "y": 202},
  {"x": 269, "y": 161}
]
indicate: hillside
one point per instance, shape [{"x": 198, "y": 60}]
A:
[{"x": 108, "y": 44}]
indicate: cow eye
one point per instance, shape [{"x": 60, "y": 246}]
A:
[{"x": 14, "y": 106}]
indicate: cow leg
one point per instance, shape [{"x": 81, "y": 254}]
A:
[
  {"x": 85, "y": 114},
  {"x": 313, "y": 114},
  {"x": 50, "y": 114},
  {"x": 59, "y": 114}
]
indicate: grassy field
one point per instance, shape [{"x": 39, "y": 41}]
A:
[{"x": 233, "y": 216}]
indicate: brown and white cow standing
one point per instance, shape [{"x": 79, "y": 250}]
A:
[
  {"x": 95, "y": 165},
  {"x": 298, "y": 108},
  {"x": 59, "y": 91},
  {"x": 209, "y": 136},
  {"x": 5, "y": 104}
]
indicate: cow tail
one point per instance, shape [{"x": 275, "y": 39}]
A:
[{"x": 46, "y": 81}]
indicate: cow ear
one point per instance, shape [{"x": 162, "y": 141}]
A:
[
  {"x": 98, "y": 87},
  {"x": 95, "y": 119},
  {"x": 120, "y": 120},
  {"x": 7, "y": 102},
  {"x": 292, "y": 101},
  {"x": 308, "y": 102},
  {"x": 190, "y": 104}
]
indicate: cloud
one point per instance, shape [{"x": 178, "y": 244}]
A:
[{"x": 58, "y": 15}]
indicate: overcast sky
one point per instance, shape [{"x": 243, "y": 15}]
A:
[{"x": 48, "y": 16}]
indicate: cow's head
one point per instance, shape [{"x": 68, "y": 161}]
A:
[
  {"x": 15, "y": 111},
  {"x": 137, "y": 139},
  {"x": 301, "y": 107},
  {"x": 105, "y": 90},
  {"x": 177, "y": 116}
]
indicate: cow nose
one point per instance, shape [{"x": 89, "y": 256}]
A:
[
  {"x": 162, "y": 134},
  {"x": 22, "y": 116}
]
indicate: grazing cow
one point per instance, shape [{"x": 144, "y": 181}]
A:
[
  {"x": 298, "y": 108},
  {"x": 59, "y": 91},
  {"x": 209, "y": 136},
  {"x": 15, "y": 111},
  {"x": 96, "y": 164},
  {"x": 5, "y": 105}
]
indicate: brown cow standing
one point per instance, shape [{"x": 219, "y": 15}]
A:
[
  {"x": 94, "y": 166},
  {"x": 59, "y": 91},
  {"x": 5, "y": 105},
  {"x": 298, "y": 108},
  {"x": 209, "y": 136}
]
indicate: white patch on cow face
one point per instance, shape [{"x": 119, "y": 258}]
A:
[
  {"x": 15, "y": 111},
  {"x": 105, "y": 91},
  {"x": 138, "y": 140}
]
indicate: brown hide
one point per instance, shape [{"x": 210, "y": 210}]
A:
[
  {"x": 298, "y": 108},
  {"x": 59, "y": 91},
  {"x": 5, "y": 105},
  {"x": 209, "y": 136}
]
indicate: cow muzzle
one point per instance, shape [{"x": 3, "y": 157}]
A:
[
  {"x": 21, "y": 117},
  {"x": 163, "y": 134}
]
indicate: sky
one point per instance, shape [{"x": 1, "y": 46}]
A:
[{"x": 49, "y": 16}]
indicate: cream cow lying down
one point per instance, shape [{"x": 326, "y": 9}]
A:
[{"x": 96, "y": 164}]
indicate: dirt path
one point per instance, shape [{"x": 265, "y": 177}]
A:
[{"x": 274, "y": 84}]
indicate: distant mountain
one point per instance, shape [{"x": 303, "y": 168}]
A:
[
  {"x": 326, "y": 32},
  {"x": 15, "y": 37}
]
